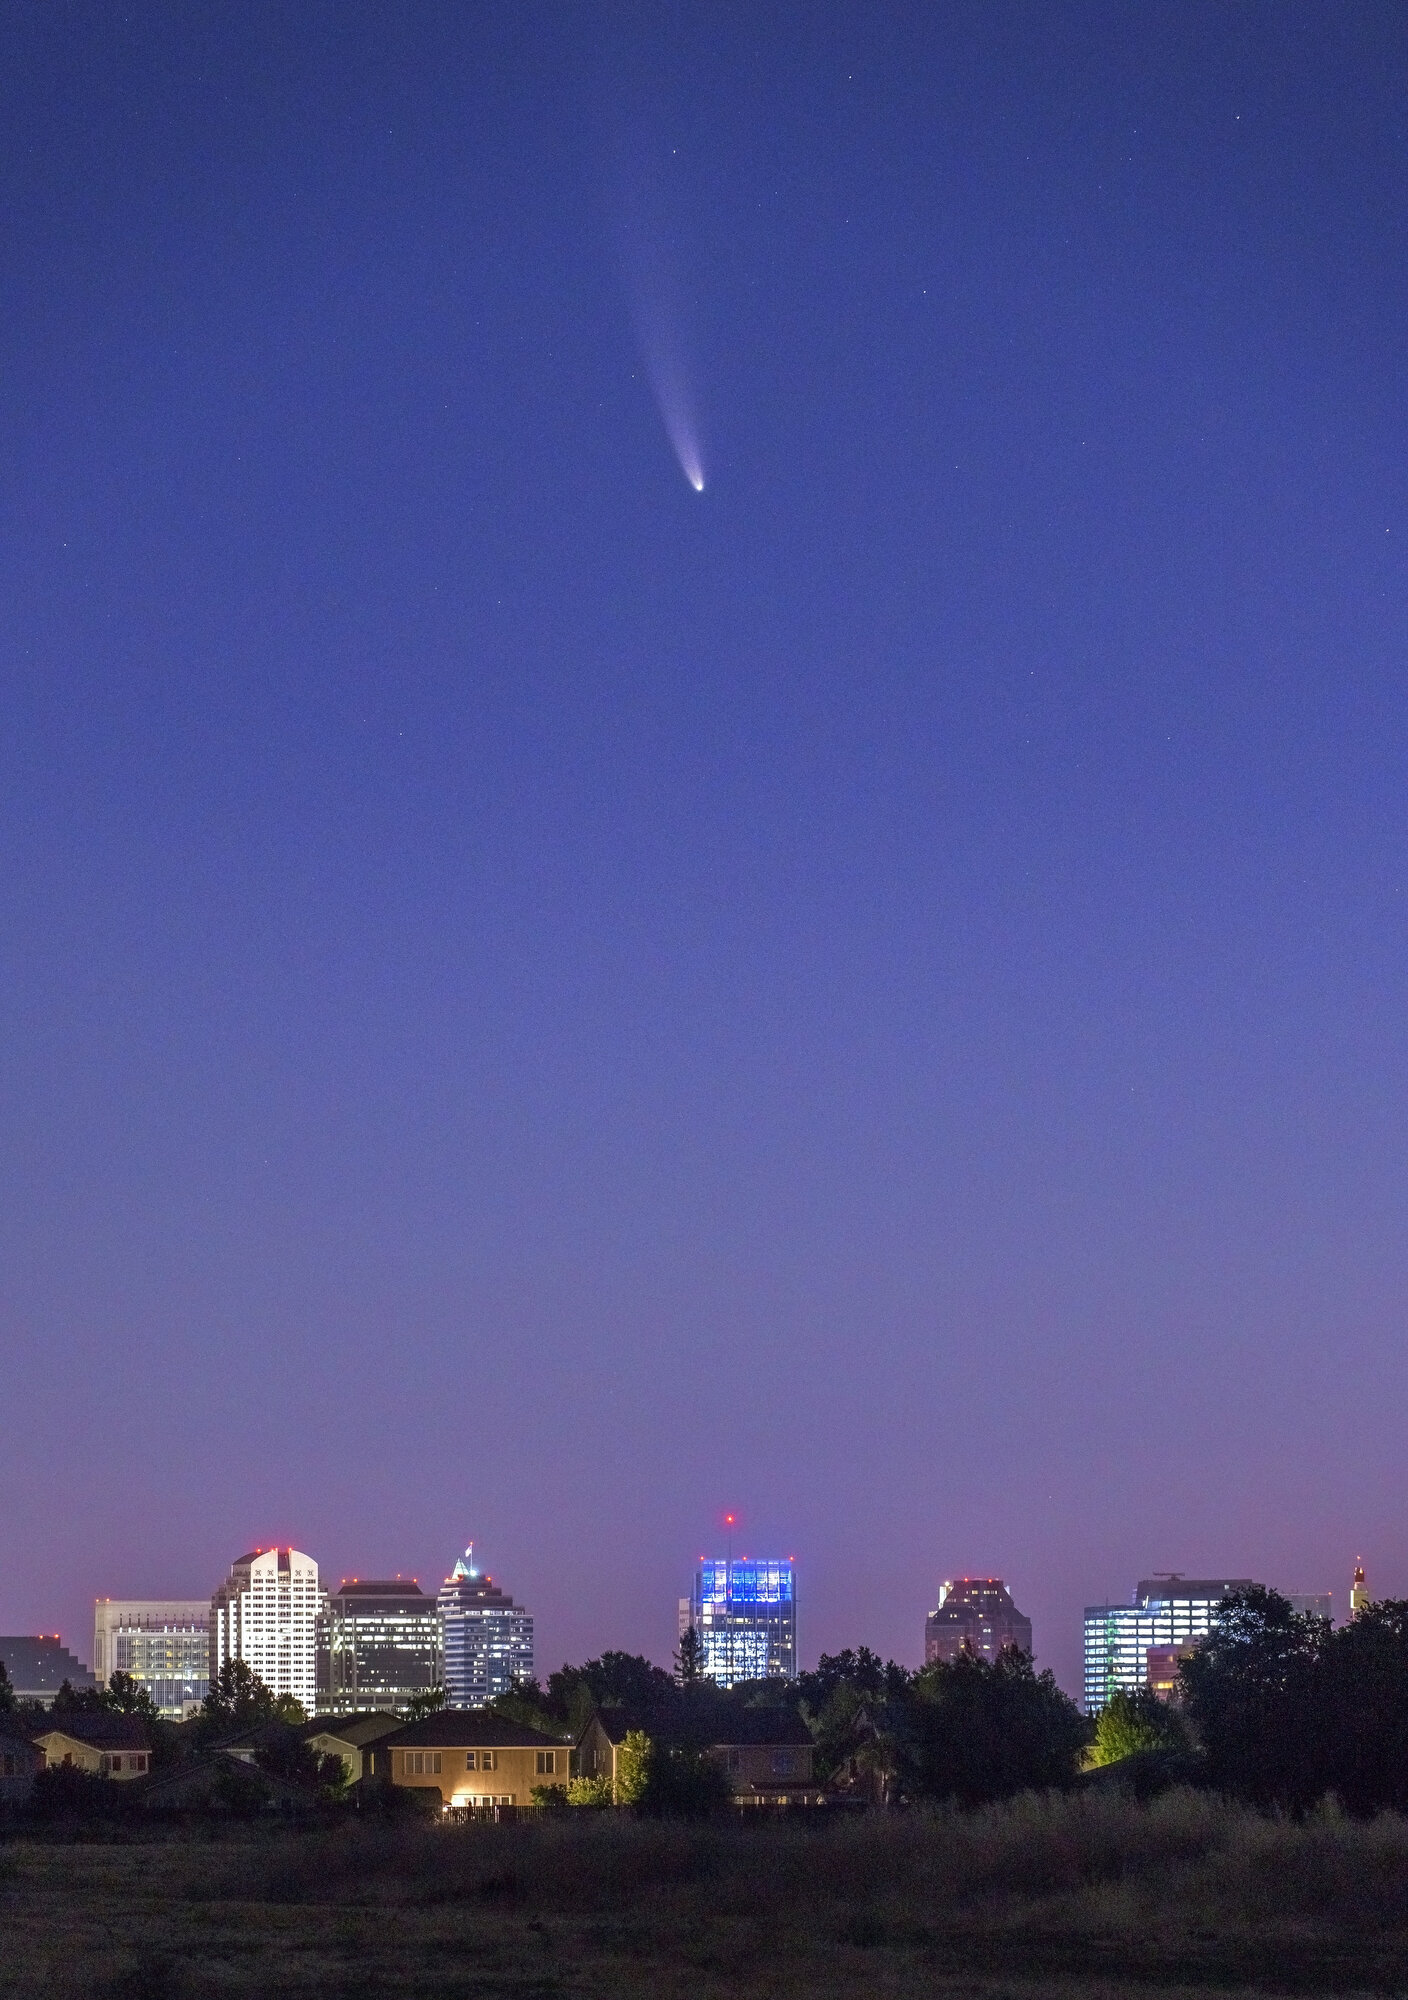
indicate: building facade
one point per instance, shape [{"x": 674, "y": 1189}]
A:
[
  {"x": 745, "y": 1613},
  {"x": 165, "y": 1647},
  {"x": 486, "y": 1639},
  {"x": 766, "y": 1754},
  {"x": 1168, "y": 1611},
  {"x": 1312, "y": 1603},
  {"x": 266, "y": 1613},
  {"x": 37, "y": 1667},
  {"x": 474, "y": 1763},
  {"x": 975, "y": 1613},
  {"x": 378, "y": 1646},
  {"x": 105, "y": 1746}
]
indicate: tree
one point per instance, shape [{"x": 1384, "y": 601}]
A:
[
  {"x": 1131, "y": 1722},
  {"x": 77, "y": 1701},
  {"x": 1253, "y": 1691},
  {"x": 125, "y": 1696},
  {"x": 1363, "y": 1709},
  {"x": 593, "y": 1791},
  {"x": 682, "y": 1782},
  {"x": 421, "y": 1705},
  {"x": 526, "y": 1702},
  {"x": 616, "y": 1680},
  {"x": 855, "y": 1669},
  {"x": 977, "y": 1730},
  {"x": 690, "y": 1660},
  {"x": 7, "y": 1692},
  {"x": 238, "y": 1699},
  {"x": 633, "y": 1761}
]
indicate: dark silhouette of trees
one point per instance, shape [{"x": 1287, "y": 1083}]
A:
[
  {"x": 1364, "y": 1703},
  {"x": 690, "y": 1659},
  {"x": 1254, "y": 1694},
  {"x": 977, "y": 1730}
]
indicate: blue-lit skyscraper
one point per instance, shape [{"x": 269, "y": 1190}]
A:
[
  {"x": 745, "y": 1613},
  {"x": 486, "y": 1639}
]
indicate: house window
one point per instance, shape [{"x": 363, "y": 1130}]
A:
[
  {"x": 422, "y": 1763},
  {"x": 782, "y": 1763},
  {"x": 469, "y": 1760},
  {"x": 735, "y": 1760},
  {"x": 488, "y": 1760},
  {"x": 547, "y": 1762}
]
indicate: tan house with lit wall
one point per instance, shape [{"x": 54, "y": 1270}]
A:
[
  {"x": 471, "y": 1759},
  {"x": 107, "y": 1746}
]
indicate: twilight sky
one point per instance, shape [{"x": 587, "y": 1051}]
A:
[{"x": 539, "y": 1003}]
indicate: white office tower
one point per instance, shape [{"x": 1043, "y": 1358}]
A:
[{"x": 266, "y": 1614}]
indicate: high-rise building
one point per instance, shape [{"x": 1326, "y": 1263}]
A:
[
  {"x": 1312, "y": 1603},
  {"x": 38, "y": 1666},
  {"x": 165, "y": 1647},
  {"x": 378, "y": 1646},
  {"x": 976, "y": 1613},
  {"x": 1167, "y": 1611},
  {"x": 486, "y": 1639},
  {"x": 266, "y": 1614},
  {"x": 1358, "y": 1592},
  {"x": 745, "y": 1613}
]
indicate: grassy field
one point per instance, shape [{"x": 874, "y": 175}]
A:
[{"x": 1089, "y": 1895}]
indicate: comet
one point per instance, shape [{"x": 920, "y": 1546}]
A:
[{"x": 658, "y": 317}]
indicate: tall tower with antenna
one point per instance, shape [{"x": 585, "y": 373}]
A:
[{"x": 1358, "y": 1592}]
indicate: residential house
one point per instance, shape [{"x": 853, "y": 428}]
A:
[
  {"x": 349, "y": 1737},
  {"x": 107, "y": 1746},
  {"x": 19, "y": 1761},
  {"x": 765, "y": 1753},
  {"x": 472, "y": 1759}
]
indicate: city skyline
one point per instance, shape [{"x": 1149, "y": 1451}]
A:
[
  {"x": 703, "y": 759},
  {"x": 978, "y": 1611}
]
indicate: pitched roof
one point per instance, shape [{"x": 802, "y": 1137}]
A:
[
  {"x": 198, "y": 1783},
  {"x": 721, "y": 1726},
  {"x": 98, "y": 1731},
  {"x": 358, "y": 1730},
  {"x": 470, "y": 1729}
]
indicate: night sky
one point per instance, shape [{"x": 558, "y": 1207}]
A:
[{"x": 540, "y": 1003}]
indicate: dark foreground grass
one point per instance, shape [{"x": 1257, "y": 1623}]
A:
[{"x": 1089, "y": 1896}]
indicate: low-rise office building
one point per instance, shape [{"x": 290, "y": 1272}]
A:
[
  {"x": 106, "y": 1746},
  {"x": 38, "y": 1666},
  {"x": 1167, "y": 1611},
  {"x": 164, "y": 1645},
  {"x": 470, "y": 1759},
  {"x": 974, "y": 1614}
]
